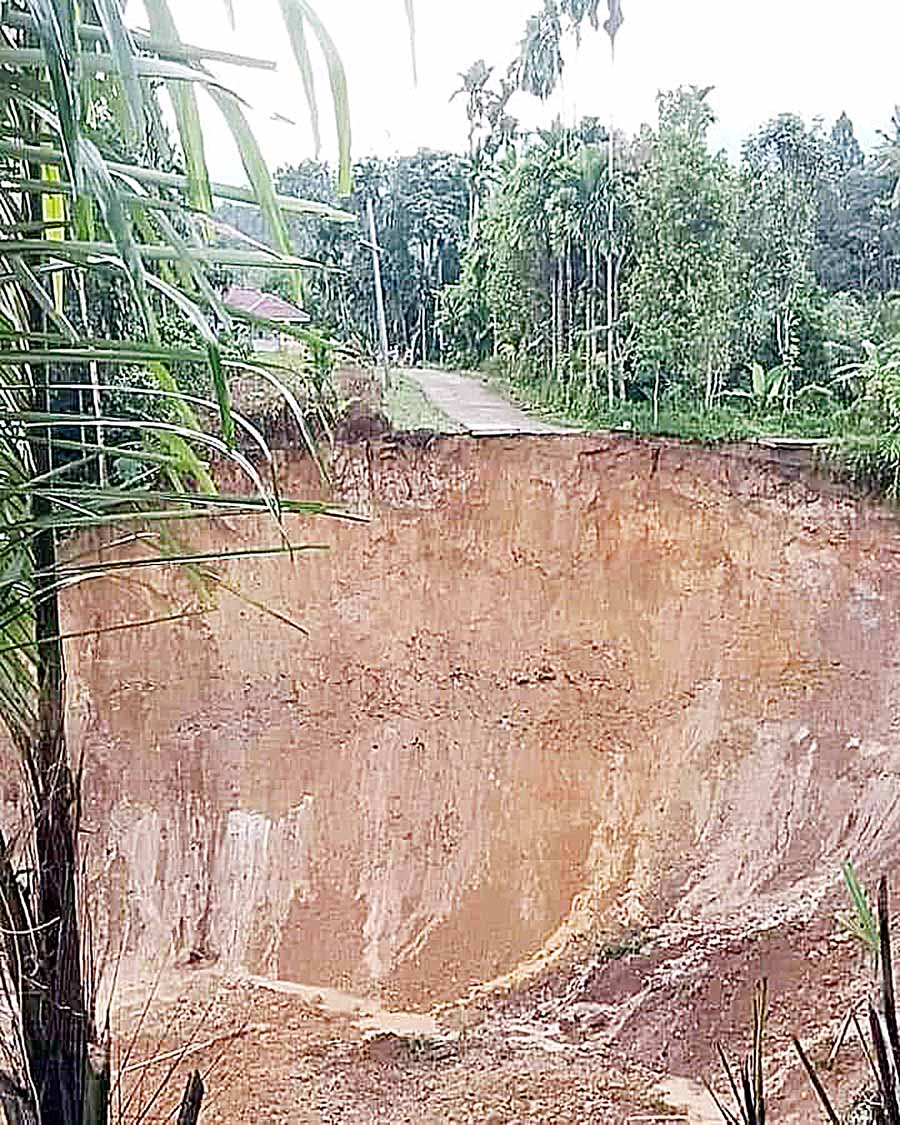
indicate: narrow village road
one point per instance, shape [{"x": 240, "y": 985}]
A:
[{"x": 479, "y": 409}]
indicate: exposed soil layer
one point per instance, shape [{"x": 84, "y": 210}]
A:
[{"x": 556, "y": 690}]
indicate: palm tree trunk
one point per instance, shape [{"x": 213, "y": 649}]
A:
[
  {"x": 610, "y": 346},
  {"x": 614, "y": 312},
  {"x": 789, "y": 358},
  {"x": 708, "y": 396},
  {"x": 610, "y": 265},
  {"x": 594, "y": 274},
  {"x": 553, "y": 297},
  {"x": 53, "y": 1007},
  {"x": 656, "y": 397},
  {"x": 570, "y": 303},
  {"x": 57, "y": 1029},
  {"x": 560, "y": 313},
  {"x": 588, "y": 326},
  {"x": 437, "y": 304},
  {"x": 423, "y": 303}
]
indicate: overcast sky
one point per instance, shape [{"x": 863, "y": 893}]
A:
[{"x": 813, "y": 57}]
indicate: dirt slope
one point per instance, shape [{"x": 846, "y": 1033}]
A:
[{"x": 557, "y": 687}]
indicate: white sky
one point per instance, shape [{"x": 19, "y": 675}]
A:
[{"x": 814, "y": 57}]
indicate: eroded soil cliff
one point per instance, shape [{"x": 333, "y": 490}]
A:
[{"x": 555, "y": 690}]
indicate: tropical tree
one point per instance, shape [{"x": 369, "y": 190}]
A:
[
  {"x": 595, "y": 188},
  {"x": 421, "y": 208},
  {"x": 846, "y": 148},
  {"x": 538, "y": 70},
  {"x": 491, "y": 128},
  {"x": 530, "y": 286},
  {"x": 858, "y": 231},
  {"x": 680, "y": 291},
  {"x": 785, "y": 166},
  {"x": 98, "y": 200},
  {"x": 539, "y": 66},
  {"x": 889, "y": 154}
]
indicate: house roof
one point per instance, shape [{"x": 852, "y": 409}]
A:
[{"x": 268, "y": 305}]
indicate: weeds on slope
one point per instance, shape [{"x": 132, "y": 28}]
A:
[{"x": 881, "y": 1044}]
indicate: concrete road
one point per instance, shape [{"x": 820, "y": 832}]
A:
[{"x": 475, "y": 406}]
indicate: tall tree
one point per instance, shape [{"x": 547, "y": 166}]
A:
[
  {"x": 680, "y": 291},
  {"x": 491, "y": 128},
  {"x": 539, "y": 66},
  {"x": 786, "y": 166},
  {"x": 538, "y": 70},
  {"x": 421, "y": 209},
  {"x": 846, "y": 148},
  {"x": 857, "y": 234}
]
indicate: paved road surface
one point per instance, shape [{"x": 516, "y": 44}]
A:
[{"x": 478, "y": 409}]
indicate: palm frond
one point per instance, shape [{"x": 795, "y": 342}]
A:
[
  {"x": 187, "y": 116},
  {"x": 85, "y": 208},
  {"x": 300, "y": 10}
]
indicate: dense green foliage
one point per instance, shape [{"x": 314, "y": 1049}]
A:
[
  {"x": 680, "y": 289},
  {"x": 421, "y": 212},
  {"x": 750, "y": 297},
  {"x": 719, "y": 267},
  {"x": 657, "y": 284}
]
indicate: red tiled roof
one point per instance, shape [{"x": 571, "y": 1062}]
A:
[{"x": 268, "y": 305}]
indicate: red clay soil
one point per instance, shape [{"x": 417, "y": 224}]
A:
[
  {"x": 267, "y": 1057},
  {"x": 557, "y": 690}
]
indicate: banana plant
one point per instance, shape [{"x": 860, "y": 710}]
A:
[
  {"x": 766, "y": 390},
  {"x": 95, "y": 196}
]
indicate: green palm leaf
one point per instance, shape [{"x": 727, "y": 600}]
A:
[
  {"x": 411, "y": 21},
  {"x": 104, "y": 63},
  {"x": 123, "y": 51},
  {"x": 257, "y": 173},
  {"x": 83, "y": 209},
  {"x": 298, "y": 14},
  {"x": 297, "y": 31},
  {"x": 55, "y": 28},
  {"x": 155, "y": 178},
  {"x": 187, "y": 116}
]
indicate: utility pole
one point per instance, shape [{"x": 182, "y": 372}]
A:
[
  {"x": 379, "y": 297},
  {"x": 610, "y": 252},
  {"x": 611, "y": 26}
]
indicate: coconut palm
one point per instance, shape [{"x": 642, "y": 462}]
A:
[
  {"x": 97, "y": 200},
  {"x": 540, "y": 63},
  {"x": 538, "y": 70}
]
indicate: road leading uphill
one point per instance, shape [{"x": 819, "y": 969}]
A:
[{"x": 469, "y": 402}]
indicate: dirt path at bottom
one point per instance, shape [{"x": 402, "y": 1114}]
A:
[
  {"x": 278, "y": 1055},
  {"x": 481, "y": 411},
  {"x": 690, "y": 1098}
]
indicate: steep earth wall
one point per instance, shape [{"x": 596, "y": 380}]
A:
[{"x": 555, "y": 685}]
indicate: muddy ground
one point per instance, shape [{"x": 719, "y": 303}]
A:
[
  {"x": 556, "y": 1051},
  {"x": 271, "y": 1057}
]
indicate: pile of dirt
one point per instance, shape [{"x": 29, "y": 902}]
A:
[{"x": 294, "y": 1061}]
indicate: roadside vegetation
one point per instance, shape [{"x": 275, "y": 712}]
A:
[
  {"x": 642, "y": 281},
  {"x": 408, "y": 408}
]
